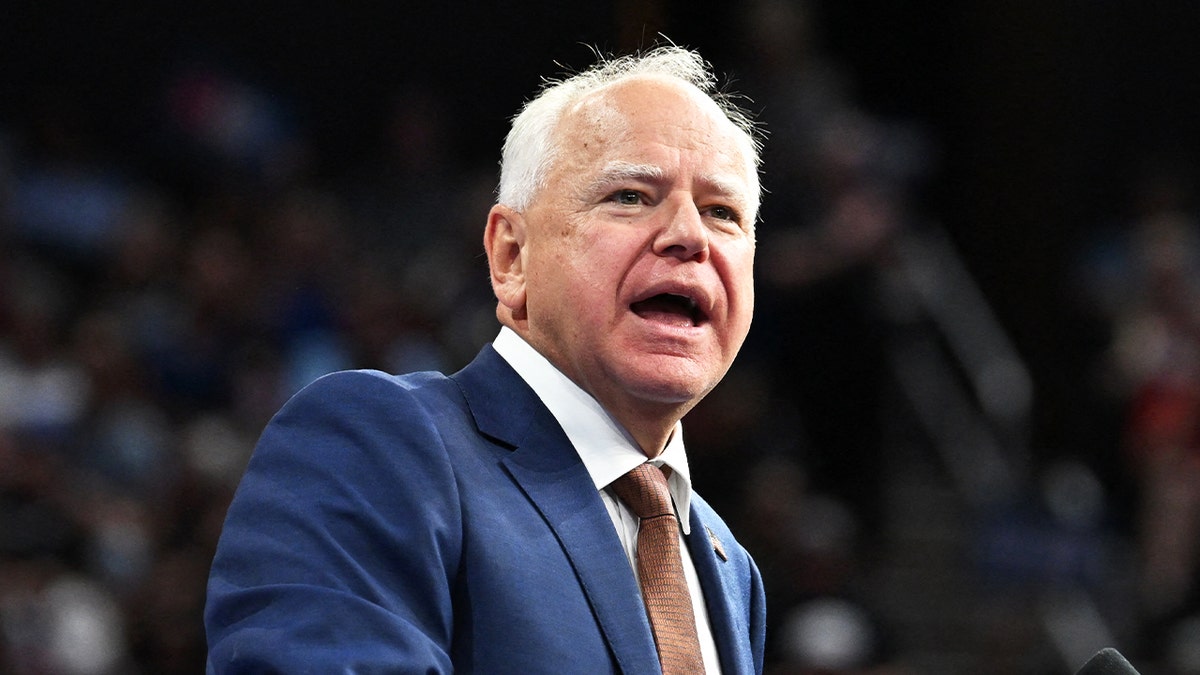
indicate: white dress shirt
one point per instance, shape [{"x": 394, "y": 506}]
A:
[{"x": 608, "y": 452}]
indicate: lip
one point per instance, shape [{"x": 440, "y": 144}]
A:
[{"x": 703, "y": 302}]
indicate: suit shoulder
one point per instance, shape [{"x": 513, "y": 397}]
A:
[
  {"x": 376, "y": 390},
  {"x": 373, "y": 381},
  {"x": 366, "y": 413}
]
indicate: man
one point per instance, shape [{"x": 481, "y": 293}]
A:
[{"x": 471, "y": 523}]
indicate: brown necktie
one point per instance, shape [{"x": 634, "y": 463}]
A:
[{"x": 660, "y": 570}]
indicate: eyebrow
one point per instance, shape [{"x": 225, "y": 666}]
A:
[
  {"x": 726, "y": 186},
  {"x": 618, "y": 171}
]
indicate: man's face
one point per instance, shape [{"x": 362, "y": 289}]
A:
[{"x": 639, "y": 249}]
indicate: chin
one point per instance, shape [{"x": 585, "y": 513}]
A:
[{"x": 670, "y": 388}]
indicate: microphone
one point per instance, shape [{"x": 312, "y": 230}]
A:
[{"x": 1107, "y": 661}]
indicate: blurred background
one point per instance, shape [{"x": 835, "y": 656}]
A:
[{"x": 963, "y": 437}]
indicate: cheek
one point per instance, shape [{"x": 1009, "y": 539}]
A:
[
  {"x": 738, "y": 271},
  {"x": 740, "y": 288},
  {"x": 597, "y": 270},
  {"x": 743, "y": 314}
]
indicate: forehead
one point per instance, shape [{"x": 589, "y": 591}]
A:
[{"x": 653, "y": 119}]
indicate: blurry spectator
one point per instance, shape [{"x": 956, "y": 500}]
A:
[
  {"x": 68, "y": 207},
  {"x": 55, "y": 622},
  {"x": 1141, "y": 279},
  {"x": 43, "y": 393},
  {"x": 1148, "y": 285},
  {"x": 827, "y": 636},
  {"x": 227, "y": 124}
]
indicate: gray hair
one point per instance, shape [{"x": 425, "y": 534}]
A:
[{"x": 531, "y": 146}]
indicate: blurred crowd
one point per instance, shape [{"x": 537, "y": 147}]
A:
[
  {"x": 158, "y": 304},
  {"x": 1138, "y": 276},
  {"x": 148, "y": 331}
]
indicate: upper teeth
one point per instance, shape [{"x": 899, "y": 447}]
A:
[{"x": 689, "y": 301}]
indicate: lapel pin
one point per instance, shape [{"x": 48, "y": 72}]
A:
[{"x": 718, "y": 548}]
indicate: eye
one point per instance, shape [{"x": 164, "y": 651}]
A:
[
  {"x": 627, "y": 197},
  {"x": 723, "y": 213}
]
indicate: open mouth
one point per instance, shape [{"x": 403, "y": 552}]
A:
[{"x": 670, "y": 308}]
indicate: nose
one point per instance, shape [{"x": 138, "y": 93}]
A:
[{"x": 684, "y": 235}]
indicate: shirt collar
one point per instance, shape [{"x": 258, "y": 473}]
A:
[{"x": 606, "y": 448}]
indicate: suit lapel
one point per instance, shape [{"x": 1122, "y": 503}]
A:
[
  {"x": 719, "y": 584},
  {"x": 548, "y": 470}
]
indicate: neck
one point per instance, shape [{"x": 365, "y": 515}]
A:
[
  {"x": 650, "y": 425},
  {"x": 649, "y": 422}
]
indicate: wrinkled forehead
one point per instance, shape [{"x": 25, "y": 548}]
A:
[{"x": 650, "y": 105}]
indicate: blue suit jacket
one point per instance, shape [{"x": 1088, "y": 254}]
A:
[{"x": 432, "y": 524}]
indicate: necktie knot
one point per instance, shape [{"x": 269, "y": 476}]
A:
[{"x": 644, "y": 489}]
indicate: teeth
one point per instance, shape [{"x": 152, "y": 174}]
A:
[{"x": 691, "y": 304}]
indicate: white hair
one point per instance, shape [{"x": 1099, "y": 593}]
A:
[{"x": 531, "y": 146}]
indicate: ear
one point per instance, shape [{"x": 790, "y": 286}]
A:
[{"x": 504, "y": 241}]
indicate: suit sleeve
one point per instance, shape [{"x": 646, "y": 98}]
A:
[{"x": 340, "y": 546}]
